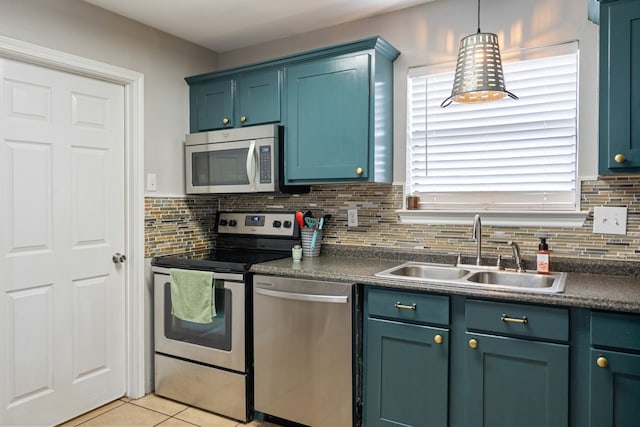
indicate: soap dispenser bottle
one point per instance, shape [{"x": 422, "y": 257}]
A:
[{"x": 542, "y": 257}]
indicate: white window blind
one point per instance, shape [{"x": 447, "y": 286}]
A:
[{"x": 504, "y": 155}]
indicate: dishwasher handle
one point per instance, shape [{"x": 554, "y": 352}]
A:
[{"x": 336, "y": 299}]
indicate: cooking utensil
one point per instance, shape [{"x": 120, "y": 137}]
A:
[
  {"x": 311, "y": 222},
  {"x": 300, "y": 218}
]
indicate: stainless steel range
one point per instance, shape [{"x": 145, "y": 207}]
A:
[{"x": 209, "y": 365}]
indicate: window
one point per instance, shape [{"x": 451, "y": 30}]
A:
[{"x": 503, "y": 156}]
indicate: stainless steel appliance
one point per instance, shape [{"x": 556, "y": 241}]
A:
[
  {"x": 242, "y": 160},
  {"x": 303, "y": 346},
  {"x": 209, "y": 365}
]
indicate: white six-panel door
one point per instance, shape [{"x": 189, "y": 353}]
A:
[{"x": 62, "y": 210}]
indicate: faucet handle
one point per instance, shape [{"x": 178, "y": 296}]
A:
[
  {"x": 459, "y": 259},
  {"x": 499, "y": 262}
]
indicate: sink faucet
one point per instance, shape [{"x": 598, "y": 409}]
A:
[
  {"x": 516, "y": 256},
  {"x": 477, "y": 237}
]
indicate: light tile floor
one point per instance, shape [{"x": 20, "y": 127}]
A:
[{"x": 153, "y": 410}]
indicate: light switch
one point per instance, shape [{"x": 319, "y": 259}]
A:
[
  {"x": 352, "y": 217},
  {"x": 151, "y": 182},
  {"x": 610, "y": 220}
]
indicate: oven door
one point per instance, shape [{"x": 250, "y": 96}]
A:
[
  {"x": 230, "y": 167},
  {"x": 220, "y": 343}
]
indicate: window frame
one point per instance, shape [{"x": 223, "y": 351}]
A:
[{"x": 572, "y": 217}]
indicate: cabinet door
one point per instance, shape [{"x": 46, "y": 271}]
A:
[
  {"x": 615, "y": 389},
  {"x": 212, "y": 105},
  {"x": 620, "y": 87},
  {"x": 406, "y": 375},
  {"x": 259, "y": 97},
  {"x": 328, "y": 120},
  {"x": 515, "y": 382}
]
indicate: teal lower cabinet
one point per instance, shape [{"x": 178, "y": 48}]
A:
[
  {"x": 407, "y": 374},
  {"x": 614, "y": 370},
  {"x": 516, "y": 382},
  {"x": 406, "y": 359},
  {"x": 435, "y": 360}
]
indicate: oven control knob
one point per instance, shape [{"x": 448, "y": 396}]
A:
[
  {"x": 286, "y": 224},
  {"x": 232, "y": 223},
  {"x": 223, "y": 222},
  {"x": 277, "y": 224}
]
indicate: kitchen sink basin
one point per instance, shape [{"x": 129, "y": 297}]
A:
[
  {"x": 476, "y": 277},
  {"x": 428, "y": 271},
  {"x": 518, "y": 280}
]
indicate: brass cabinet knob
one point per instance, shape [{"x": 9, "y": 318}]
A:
[
  {"x": 619, "y": 158},
  {"x": 602, "y": 362},
  {"x": 359, "y": 171},
  {"x": 473, "y": 343},
  {"x": 225, "y": 121},
  {"x": 243, "y": 119},
  {"x": 437, "y": 339}
]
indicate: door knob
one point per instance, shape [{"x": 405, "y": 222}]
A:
[
  {"x": 437, "y": 339},
  {"x": 118, "y": 258},
  {"x": 359, "y": 171},
  {"x": 619, "y": 158},
  {"x": 243, "y": 119},
  {"x": 225, "y": 121},
  {"x": 473, "y": 343}
]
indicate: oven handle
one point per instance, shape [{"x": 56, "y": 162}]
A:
[
  {"x": 251, "y": 165},
  {"x": 336, "y": 299}
]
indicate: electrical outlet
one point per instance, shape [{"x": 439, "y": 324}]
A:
[
  {"x": 151, "y": 182},
  {"x": 352, "y": 217},
  {"x": 610, "y": 220}
]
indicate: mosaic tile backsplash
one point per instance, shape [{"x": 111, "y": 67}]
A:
[{"x": 186, "y": 224}]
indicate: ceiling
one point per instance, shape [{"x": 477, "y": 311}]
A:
[{"x": 223, "y": 25}]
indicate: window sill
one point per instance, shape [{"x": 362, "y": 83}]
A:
[{"x": 505, "y": 219}]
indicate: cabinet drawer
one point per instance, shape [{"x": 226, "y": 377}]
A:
[
  {"x": 615, "y": 330},
  {"x": 408, "y": 306},
  {"x": 518, "y": 319}
]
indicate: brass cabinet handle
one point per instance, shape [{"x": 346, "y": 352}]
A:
[
  {"x": 473, "y": 343},
  {"x": 602, "y": 362},
  {"x": 359, "y": 171},
  {"x": 243, "y": 119},
  {"x": 508, "y": 319},
  {"x": 225, "y": 121},
  {"x": 405, "y": 307},
  {"x": 619, "y": 158},
  {"x": 437, "y": 339}
]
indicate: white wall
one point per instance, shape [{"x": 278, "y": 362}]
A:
[
  {"x": 430, "y": 33},
  {"x": 82, "y": 29}
]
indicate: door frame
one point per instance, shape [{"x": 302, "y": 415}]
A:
[{"x": 133, "y": 83}]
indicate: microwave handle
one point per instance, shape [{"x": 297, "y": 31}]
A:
[{"x": 251, "y": 165}]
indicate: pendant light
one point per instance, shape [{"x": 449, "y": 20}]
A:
[{"x": 478, "y": 70}]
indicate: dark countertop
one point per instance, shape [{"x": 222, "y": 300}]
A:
[{"x": 587, "y": 290}]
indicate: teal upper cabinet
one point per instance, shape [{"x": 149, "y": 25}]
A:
[
  {"x": 259, "y": 97},
  {"x": 335, "y": 103},
  {"x": 249, "y": 98},
  {"x": 339, "y": 121},
  {"x": 614, "y": 370},
  {"x": 619, "y": 86}
]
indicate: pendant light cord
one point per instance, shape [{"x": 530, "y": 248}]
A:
[{"x": 478, "y": 16}]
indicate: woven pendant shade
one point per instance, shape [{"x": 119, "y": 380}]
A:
[{"x": 479, "y": 75}]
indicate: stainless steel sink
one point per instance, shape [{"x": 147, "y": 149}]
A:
[
  {"x": 476, "y": 277},
  {"x": 519, "y": 280},
  {"x": 428, "y": 271}
]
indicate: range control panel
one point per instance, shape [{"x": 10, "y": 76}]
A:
[{"x": 280, "y": 224}]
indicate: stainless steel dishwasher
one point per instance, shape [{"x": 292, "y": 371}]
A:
[{"x": 303, "y": 348}]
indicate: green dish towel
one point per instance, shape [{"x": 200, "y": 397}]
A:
[{"x": 192, "y": 295}]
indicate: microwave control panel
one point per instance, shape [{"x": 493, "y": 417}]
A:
[{"x": 264, "y": 161}]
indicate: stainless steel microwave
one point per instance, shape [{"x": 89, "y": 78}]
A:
[{"x": 241, "y": 160}]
